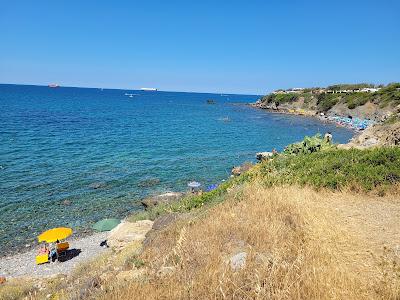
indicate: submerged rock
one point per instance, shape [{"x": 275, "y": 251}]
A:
[
  {"x": 97, "y": 185},
  {"x": 161, "y": 199},
  {"x": 66, "y": 202},
  {"x": 149, "y": 182}
]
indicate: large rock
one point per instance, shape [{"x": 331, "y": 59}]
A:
[
  {"x": 161, "y": 223},
  {"x": 165, "y": 220},
  {"x": 127, "y": 232},
  {"x": 238, "y": 261},
  {"x": 236, "y": 171},
  {"x": 129, "y": 276},
  {"x": 381, "y": 135},
  {"x": 168, "y": 197},
  {"x": 264, "y": 155}
]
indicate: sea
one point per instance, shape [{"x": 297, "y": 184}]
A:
[{"x": 73, "y": 156}]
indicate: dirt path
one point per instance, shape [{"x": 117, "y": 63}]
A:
[{"x": 371, "y": 225}]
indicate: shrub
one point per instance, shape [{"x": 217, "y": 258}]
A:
[
  {"x": 308, "y": 145},
  {"x": 327, "y": 101},
  {"x": 336, "y": 169}
]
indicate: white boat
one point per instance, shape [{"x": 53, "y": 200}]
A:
[
  {"x": 148, "y": 89},
  {"x": 130, "y": 95}
]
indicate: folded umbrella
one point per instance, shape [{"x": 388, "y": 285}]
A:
[{"x": 106, "y": 224}]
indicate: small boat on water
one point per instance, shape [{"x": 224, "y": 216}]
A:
[
  {"x": 130, "y": 95},
  {"x": 210, "y": 101},
  {"x": 149, "y": 89},
  {"x": 54, "y": 85}
]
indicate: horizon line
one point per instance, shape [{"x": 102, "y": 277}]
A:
[{"x": 124, "y": 89}]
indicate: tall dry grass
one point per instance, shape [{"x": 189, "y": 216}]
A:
[{"x": 296, "y": 249}]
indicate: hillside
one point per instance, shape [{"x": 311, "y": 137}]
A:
[
  {"x": 362, "y": 101},
  {"x": 322, "y": 223}
]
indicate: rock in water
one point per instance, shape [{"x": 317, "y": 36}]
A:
[
  {"x": 263, "y": 155},
  {"x": 97, "y": 185},
  {"x": 236, "y": 171},
  {"x": 161, "y": 199},
  {"x": 67, "y": 202}
]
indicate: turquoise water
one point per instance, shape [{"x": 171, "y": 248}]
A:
[{"x": 72, "y": 156}]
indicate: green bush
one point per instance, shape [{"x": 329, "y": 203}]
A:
[
  {"x": 308, "y": 145},
  {"x": 327, "y": 101},
  {"x": 358, "y": 99},
  {"x": 351, "y": 86},
  {"x": 279, "y": 98},
  {"x": 389, "y": 95},
  {"x": 336, "y": 169}
]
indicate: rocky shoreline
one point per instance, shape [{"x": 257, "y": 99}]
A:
[
  {"x": 350, "y": 122},
  {"x": 23, "y": 263}
]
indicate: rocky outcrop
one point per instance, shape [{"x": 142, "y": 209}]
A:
[
  {"x": 161, "y": 223},
  {"x": 264, "y": 155},
  {"x": 168, "y": 197},
  {"x": 236, "y": 171},
  {"x": 385, "y": 135},
  {"x": 127, "y": 232},
  {"x": 238, "y": 261}
]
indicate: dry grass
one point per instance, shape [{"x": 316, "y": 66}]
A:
[
  {"x": 300, "y": 244},
  {"x": 297, "y": 245}
]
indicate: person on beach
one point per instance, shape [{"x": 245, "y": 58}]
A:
[
  {"x": 328, "y": 137},
  {"x": 44, "y": 249}
]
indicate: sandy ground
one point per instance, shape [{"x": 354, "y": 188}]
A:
[{"x": 82, "y": 249}]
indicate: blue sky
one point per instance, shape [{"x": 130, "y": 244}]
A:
[{"x": 206, "y": 46}]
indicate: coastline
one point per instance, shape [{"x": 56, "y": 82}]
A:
[
  {"x": 339, "y": 121},
  {"x": 81, "y": 235}
]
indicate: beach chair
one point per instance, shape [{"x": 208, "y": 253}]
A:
[
  {"x": 62, "y": 249},
  {"x": 42, "y": 259}
]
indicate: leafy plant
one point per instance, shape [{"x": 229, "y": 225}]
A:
[{"x": 308, "y": 145}]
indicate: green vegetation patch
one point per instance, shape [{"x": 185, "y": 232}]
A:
[
  {"x": 357, "y": 99},
  {"x": 389, "y": 95},
  {"x": 327, "y": 101},
  {"x": 313, "y": 162},
  {"x": 308, "y": 145},
  {"x": 336, "y": 169},
  {"x": 192, "y": 201},
  {"x": 280, "y": 98},
  {"x": 351, "y": 86}
]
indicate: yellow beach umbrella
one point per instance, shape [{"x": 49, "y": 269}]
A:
[{"x": 52, "y": 235}]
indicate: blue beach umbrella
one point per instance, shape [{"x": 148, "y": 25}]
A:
[
  {"x": 211, "y": 187},
  {"x": 194, "y": 184}
]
